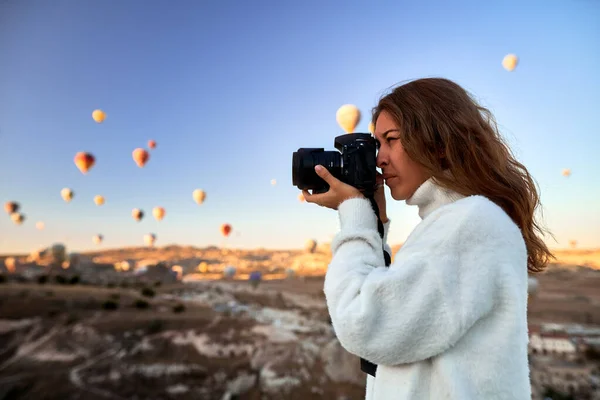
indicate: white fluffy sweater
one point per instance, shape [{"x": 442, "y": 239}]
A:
[{"x": 448, "y": 318}]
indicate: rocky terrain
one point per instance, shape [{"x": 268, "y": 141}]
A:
[
  {"x": 226, "y": 340},
  {"x": 203, "y": 335}
]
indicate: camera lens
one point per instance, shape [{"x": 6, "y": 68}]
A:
[{"x": 303, "y": 167}]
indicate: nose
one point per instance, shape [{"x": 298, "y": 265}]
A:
[{"x": 381, "y": 159}]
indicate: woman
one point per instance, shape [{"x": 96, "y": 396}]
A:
[{"x": 448, "y": 318}]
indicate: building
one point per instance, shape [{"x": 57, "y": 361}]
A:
[
  {"x": 551, "y": 343},
  {"x": 565, "y": 376}
]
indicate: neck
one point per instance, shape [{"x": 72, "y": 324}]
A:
[{"x": 430, "y": 196}]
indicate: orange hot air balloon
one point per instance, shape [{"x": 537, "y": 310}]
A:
[
  {"x": 152, "y": 144},
  {"x": 348, "y": 116},
  {"x": 225, "y": 229},
  {"x": 199, "y": 196},
  {"x": 99, "y": 200},
  {"x": 158, "y": 212},
  {"x": 40, "y": 225},
  {"x": 140, "y": 156},
  {"x": 11, "y": 207},
  {"x": 509, "y": 62},
  {"x": 137, "y": 214},
  {"x": 99, "y": 116},
  {"x": 84, "y": 161},
  {"x": 566, "y": 172},
  {"x": 301, "y": 198}
]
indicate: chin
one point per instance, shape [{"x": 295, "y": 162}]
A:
[{"x": 398, "y": 194}]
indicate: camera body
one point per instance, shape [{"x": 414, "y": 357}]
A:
[{"x": 354, "y": 163}]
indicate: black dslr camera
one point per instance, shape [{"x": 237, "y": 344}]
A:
[{"x": 354, "y": 164}]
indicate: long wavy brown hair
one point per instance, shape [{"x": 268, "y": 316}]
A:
[{"x": 444, "y": 128}]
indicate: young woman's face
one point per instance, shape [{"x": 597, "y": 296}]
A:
[{"x": 402, "y": 175}]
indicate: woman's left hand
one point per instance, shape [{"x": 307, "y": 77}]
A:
[{"x": 337, "y": 193}]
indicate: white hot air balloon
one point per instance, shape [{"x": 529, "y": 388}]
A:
[
  {"x": 149, "y": 239},
  {"x": 229, "y": 271},
  {"x": 310, "y": 245},
  {"x": 178, "y": 269},
  {"x": 66, "y": 194}
]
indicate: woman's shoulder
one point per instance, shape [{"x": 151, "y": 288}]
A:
[{"x": 477, "y": 215}]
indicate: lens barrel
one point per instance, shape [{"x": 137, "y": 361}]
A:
[{"x": 303, "y": 167}]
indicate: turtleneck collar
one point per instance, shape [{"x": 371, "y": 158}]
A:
[{"x": 430, "y": 196}]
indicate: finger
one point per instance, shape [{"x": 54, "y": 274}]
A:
[
  {"x": 313, "y": 198},
  {"x": 325, "y": 175}
]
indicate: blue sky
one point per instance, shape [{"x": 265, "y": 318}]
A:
[{"x": 230, "y": 90}]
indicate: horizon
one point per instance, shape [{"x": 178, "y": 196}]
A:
[{"x": 215, "y": 85}]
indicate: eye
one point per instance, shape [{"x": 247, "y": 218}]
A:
[{"x": 389, "y": 139}]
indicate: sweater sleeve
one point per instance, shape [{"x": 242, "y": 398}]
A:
[
  {"x": 417, "y": 308},
  {"x": 386, "y": 229}
]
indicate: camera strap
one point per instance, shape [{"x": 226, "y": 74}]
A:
[{"x": 367, "y": 366}]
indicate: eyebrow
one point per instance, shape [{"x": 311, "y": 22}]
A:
[{"x": 384, "y": 134}]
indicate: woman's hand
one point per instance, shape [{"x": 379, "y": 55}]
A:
[
  {"x": 337, "y": 193},
  {"x": 380, "y": 198}
]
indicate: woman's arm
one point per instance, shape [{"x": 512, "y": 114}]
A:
[{"x": 438, "y": 287}]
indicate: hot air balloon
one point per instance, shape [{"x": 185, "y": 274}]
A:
[
  {"x": 58, "y": 253},
  {"x": 199, "y": 196},
  {"x": 566, "y": 172},
  {"x": 99, "y": 200},
  {"x": 11, "y": 264},
  {"x": 149, "y": 239},
  {"x": 509, "y": 62},
  {"x": 203, "y": 267},
  {"x": 84, "y": 161},
  {"x": 11, "y": 207},
  {"x": 67, "y": 194},
  {"x": 348, "y": 116},
  {"x": 225, "y": 229},
  {"x": 573, "y": 243},
  {"x": 310, "y": 245},
  {"x": 98, "y": 239},
  {"x": 137, "y": 214},
  {"x": 152, "y": 144},
  {"x": 229, "y": 271},
  {"x": 178, "y": 269},
  {"x": 40, "y": 225},
  {"x": 301, "y": 198},
  {"x": 140, "y": 156},
  {"x": 99, "y": 116},
  {"x": 17, "y": 218},
  {"x": 255, "y": 278},
  {"x": 158, "y": 212},
  {"x": 273, "y": 182},
  {"x": 372, "y": 127}
]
